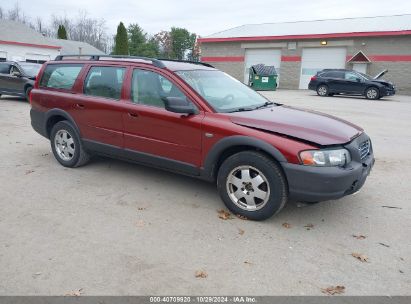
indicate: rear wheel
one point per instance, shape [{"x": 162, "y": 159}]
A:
[
  {"x": 322, "y": 90},
  {"x": 252, "y": 185},
  {"x": 372, "y": 93},
  {"x": 66, "y": 145}
]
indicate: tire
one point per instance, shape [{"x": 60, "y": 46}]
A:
[
  {"x": 66, "y": 145},
  {"x": 322, "y": 90},
  {"x": 330, "y": 94},
  {"x": 27, "y": 93},
  {"x": 372, "y": 93},
  {"x": 261, "y": 193}
]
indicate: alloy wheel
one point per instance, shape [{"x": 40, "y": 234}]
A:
[
  {"x": 372, "y": 93},
  {"x": 64, "y": 145},
  {"x": 248, "y": 188}
]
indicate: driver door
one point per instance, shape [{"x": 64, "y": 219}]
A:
[
  {"x": 165, "y": 138},
  {"x": 15, "y": 83}
]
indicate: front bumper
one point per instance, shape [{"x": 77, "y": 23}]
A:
[{"x": 313, "y": 184}]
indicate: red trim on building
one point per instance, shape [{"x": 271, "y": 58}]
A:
[
  {"x": 291, "y": 58},
  {"x": 390, "y": 57},
  {"x": 31, "y": 44},
  {"x": 311, "y": 36},
  {"x": 223, "y": 59}
]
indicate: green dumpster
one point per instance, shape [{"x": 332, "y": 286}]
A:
[{"x": 263, "y": 78}]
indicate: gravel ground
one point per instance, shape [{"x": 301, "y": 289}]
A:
[{"x": 114, "y": 228}]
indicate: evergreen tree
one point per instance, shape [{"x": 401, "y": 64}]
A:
[
  {"x": 121, "y": 41},
  {"x": 61, "y": 32}
]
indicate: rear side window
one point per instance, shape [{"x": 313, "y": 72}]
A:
[
  {"x": 334, "y": 74},
  {"x": 60, "y": 76},
  {"x": 4, "y": 68},
  {"x": 104, "y": 82}
]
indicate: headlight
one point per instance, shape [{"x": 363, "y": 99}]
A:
[{"x": 325, "y": 158}]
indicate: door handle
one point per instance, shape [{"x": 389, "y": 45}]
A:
[
  {"x": 80, "y": 106},
  {"x": 132, "y": 114}
]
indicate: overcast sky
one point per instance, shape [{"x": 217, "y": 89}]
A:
[{"x": 207, "y": 17}]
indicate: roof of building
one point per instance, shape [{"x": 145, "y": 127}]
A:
[
  {"x": 12, "y": 32},
  {"x": 329, "y": 28},
  {"x": 71, "y": 47}
]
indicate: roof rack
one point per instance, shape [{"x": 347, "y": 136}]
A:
[
  {"x": 188, "y": 61},
  {"x": 155, "y": 62}
]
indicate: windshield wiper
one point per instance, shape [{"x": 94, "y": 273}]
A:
[
  {"x": 266, "y": 104},
  {"x": 241, "y": 110}
]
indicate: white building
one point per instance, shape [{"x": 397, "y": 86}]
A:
[{"x": 19, "y": 42}]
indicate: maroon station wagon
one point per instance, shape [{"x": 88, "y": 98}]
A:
[{"x": 191, "y": 118}]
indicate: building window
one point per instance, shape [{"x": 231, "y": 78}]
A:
[
  {"x": 3, "y": 59},
  {"x": 35, "y": 61}
]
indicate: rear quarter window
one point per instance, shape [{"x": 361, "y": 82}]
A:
[{"x": 60, "y": 76}]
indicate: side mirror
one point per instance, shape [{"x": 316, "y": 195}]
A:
[
  {"x": 179, "y": 105},
  {"x": 358, "y": 79}
]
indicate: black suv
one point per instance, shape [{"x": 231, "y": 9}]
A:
[
  {"x": 17, "y": 78},
  {"x": 338, "y": 81}
]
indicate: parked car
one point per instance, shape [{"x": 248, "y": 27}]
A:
[
  {"x": 17, "y": 78},
  {"x": 192, "y": 119},
  {"x": 338, "y": 81}
]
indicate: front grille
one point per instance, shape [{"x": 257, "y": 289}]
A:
[{"x": 364, "y": 148}]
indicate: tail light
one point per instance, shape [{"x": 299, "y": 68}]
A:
[
  {"x": 314, "y": 78},
  {"x": 30, "y": 95}
]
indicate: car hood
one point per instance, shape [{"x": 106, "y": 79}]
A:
[
  {"x": 303, "y": 124},
  {"x": 380, "y": 74}
]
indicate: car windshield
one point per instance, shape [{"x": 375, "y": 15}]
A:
[
  {"x": 30, "y": 69},
  {"x": 223, "y": 92}
]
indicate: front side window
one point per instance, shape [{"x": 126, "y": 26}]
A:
[
  {"x": 150, "y": 88},
  {"x": 352, "y": 76},
  {"x": 223, "y": 92},
  {"x": 104, "y": 82},
  {"x": 60, "y": 76}
]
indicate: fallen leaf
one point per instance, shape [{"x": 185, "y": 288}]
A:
[
  {"x": 75, "y": 293},
  {"x": 401, "y": 271},
  {"x": 224, "y": 215},
  {"x": 37, "y": 273},
  {"x": 309, "y": 226},
  {"x": 385, "y": 245},
  {"x": 45, "y": 154},
  {"x": 140, "y": 223},
  {"x": 201, "y": 274},
  {"x": 359, "y": 237},
  {"x": 332, "y": 290},
  {"x": 359, "y": 256},
  {"x": 391, "y": 207},
  {"x": 141, "y": 208},
  {"x": 240, "y": 231},
  {"x": 286, "y": 225},
  {"x": 241, "y": 217},
  {"x": 248, "y": 262},
  {"x": 29, "y": 171}
]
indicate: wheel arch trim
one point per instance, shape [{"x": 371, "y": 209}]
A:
[
  {"x": 58, "y": 112},
  {"x": 224, "y": 144}
]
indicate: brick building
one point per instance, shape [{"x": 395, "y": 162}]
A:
[{"x": 299, "y": 49}]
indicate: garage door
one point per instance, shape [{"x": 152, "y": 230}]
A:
[
  {"x": 264, "y": 56},
  {"x": 316, "y": 59}
]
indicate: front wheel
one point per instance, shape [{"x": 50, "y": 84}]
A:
[
  {"x": 372, "y": 93},
  {"x": 27, "y": 93},
  {"x": 322, "y": 90},
  {"x": 252, "y": 185}
]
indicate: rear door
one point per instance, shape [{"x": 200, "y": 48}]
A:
[
  {"x": 9, "y": 83},
  {"x": 4, "y": 77},
  {"x": 169, "y": 139},
  {"x": 97, "y": 105}
]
